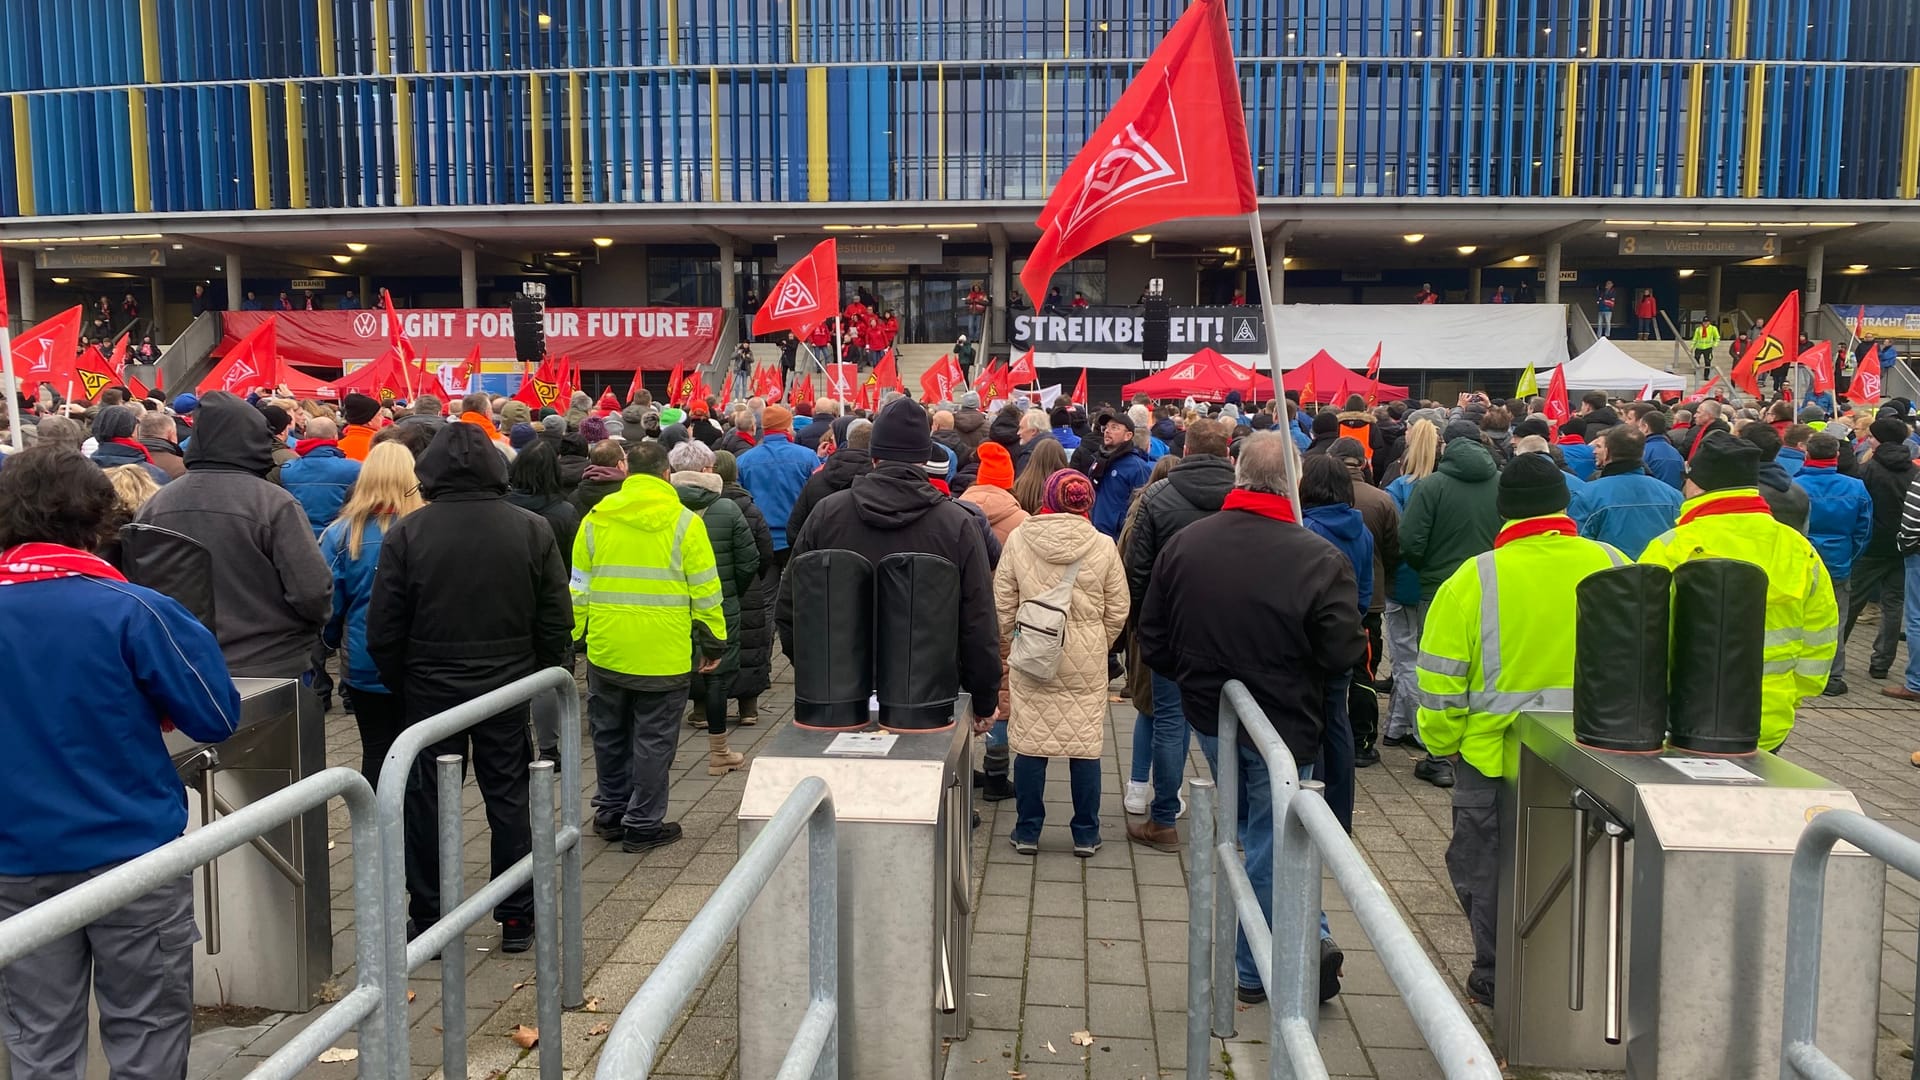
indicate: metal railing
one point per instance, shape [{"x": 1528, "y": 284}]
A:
[
  {"x": 1305, "y": 833},
  {"x": 557, "y": 963},
  {"x": 1806, "y": 903},
  {"x": 55, "y": 918},
  {"x": 1580, "y": 328},
  {"x": 815, "y": 1051},
  {"x": 1682, "y": 349}
]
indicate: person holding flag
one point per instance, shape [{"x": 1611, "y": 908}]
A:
[{"x": 1777, "y": 343}]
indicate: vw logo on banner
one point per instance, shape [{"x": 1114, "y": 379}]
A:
[{"x": 366, "y": 323}]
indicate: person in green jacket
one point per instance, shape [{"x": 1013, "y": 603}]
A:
[
  {"x": 1706, "y": 338},
  {"x": 737, "y": 560},
  {"x": 1452, "y": 516}
]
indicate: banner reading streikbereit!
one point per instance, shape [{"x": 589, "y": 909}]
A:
[{"x": 598, "y": 339}]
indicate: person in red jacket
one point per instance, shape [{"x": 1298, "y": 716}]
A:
[{"x": 1645, "y": 310}]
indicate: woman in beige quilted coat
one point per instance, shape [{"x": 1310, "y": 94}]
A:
[{"x": 1065, "y": 716}]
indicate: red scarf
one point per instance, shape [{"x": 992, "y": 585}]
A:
[
  {"x": 940, "y": 485},
  {"x": 135, "y": 445},
  {"x": 1738, "y": 504},
  {"x": 1552, "y": 525},
  {"x": 1823, "y": 463},
  {"x": 746, "y": 437},
  {"x": 44, "y": 562},
  {"x": 1266, "y": 504}
]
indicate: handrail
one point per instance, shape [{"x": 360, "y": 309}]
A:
[
  {"x": 1304, "y": 832},
  {"x": 67, "y": 912},
  {"x": 815, "y": 1051},
  {"x": 1682, "y": 352},
  {"x": 557, "y": 964},
  {"x": 1806, "y": 904},
  {"x": 1579, "y": 327}
]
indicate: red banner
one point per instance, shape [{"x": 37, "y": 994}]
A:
[{"x": 598, "y": 339}]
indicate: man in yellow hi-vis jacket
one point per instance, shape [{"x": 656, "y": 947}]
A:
[
  {"x": 1724, "y": 517},
  {"x": 1498, "y": 641},
  {"x": 646, "y": 597}
]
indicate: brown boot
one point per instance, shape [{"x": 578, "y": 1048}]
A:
[
  {"x": 1158, "y": 837},
  {"x": 750, "y": 710},
  {"x": 720, "y": 760}
]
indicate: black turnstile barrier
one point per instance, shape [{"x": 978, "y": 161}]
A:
[
  {"x": 1719, "y": 657},
  {"x": 832, "y": 639},
  {"x": 172, "y": 564},
  {"x": 1620, "y": 658},
  {"x": 916, "y": 671}
]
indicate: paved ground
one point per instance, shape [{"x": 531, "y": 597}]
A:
[{"x": 1061, "y": 944}]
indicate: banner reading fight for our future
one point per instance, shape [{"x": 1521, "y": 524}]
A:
[{"x": 598, "y": 339}]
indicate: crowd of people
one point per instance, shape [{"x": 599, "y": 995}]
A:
[{"x": 441, "y": 550}]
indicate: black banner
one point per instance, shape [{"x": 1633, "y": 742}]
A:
[{"x": 1116, "y": 331}]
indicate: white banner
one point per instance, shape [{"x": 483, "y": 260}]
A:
[{"x": 1447, "y": 337}]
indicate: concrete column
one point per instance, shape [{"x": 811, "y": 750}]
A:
[
  {"x": 1551, "y": 291},
  {"x": 364, "y": 291},
  {"x": 1816, "y": 267},
  {"x": 1277, "y": 268},
  {"x": 729, "y": 281},
  {"x": 158, "y": 312},
  {"x": 997, "y": 292},
  {"x": 1713, "y": 293},
  {"x": 25, "y": 310},
  {"x": 469, "y": 278},
  {"x": 236, "y": 291},
  {"x": 1473, "y": 284}
]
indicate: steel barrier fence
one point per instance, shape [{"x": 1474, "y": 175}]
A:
[
  {"x": 1806, "y": 904},
  {"x": 815, "y": 1051},
  {"x": 1305, "y": 833}
]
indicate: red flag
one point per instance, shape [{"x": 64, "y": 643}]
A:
[
  {"x": 470, "y": 371},
  {"x": 802, "y": 391},
  {"x": 633, "y": 388},
  {"x": 1859, "y": 321},
  {"x": 767, "y": 382},
  {"x": 92, "y": 373},
  {"x": 1373, "y": 373},
  {"x": 118, "y": 361},
  {"x": 675, "y": 383},
  {"x": 1865, "y": 387},
  {"x": 1557, "y": 407},
  {"x": 255, "y": 361},
  {"x": 1646, "y": 392},
  {"x": 887, "y": 373},
  {"x": 1819, "y": 360},
  {"x": 45, "y": 353},
  {"x": 139, "y": 391},
  {"x": 726, "y": 391},
  {"x": 1706, "y": 389},
  {"x": 869, "y": 396},
  {"x": 937, "y": 381},
  {"x": 542, "y": 388},
  {"x": 840, "y": 381},
  {"x": 1776, "y": 343},
  {"x": 567, "y": 384},
  {"x": 1080, "y": 389},
  {"x": 1175, "y": 145},
  {"x": 805, "y": 295},
  {"x": 1022, "y": 371}
]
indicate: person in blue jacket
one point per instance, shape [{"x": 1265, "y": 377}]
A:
[
  {"x": 1663, "y": 462},
  {"x": 1326, "y": 501},
  {"x": 97, "y": 670},
  {"x": 1062, "y": 421},
  {"x": 321, "y": 476},
  {"x": 1624, "y": 506},
  {"x": 1576, "y": 455},
  {"x": 387, "y": 491},
  {"x": 774, "y": 472},
  {"x": 1117, "y": 471},
  {"x": 1839, "y": 524}
]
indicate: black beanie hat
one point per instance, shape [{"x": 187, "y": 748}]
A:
[
  {"x": 1460, "y": 429},
  {"x": 359, "y": 409},
  {"x": 901, "y": 432},
  {"x": 1325, "y": 423},
  {"x": 278, "y": 419},
  {"x": 1723, "y": 461},
  {"x": 1888, "y": 429},
  {"x": 1533, "y": 425},
  {"x": 1531, "y": 486}
]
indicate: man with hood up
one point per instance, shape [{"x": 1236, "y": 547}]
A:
[
  {"x": 273, "y": 591},
  {"x": 471, "y": 594}
]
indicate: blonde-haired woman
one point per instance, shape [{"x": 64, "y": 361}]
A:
[
  {"x": 1405, "y": 613},
  {"x": 386, "y": 491},
  {"x": 134, "y": 485}
]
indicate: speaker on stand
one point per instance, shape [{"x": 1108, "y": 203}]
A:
[{"x": 1153, "y": 328}]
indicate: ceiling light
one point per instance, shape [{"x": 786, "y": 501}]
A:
[
  {"x": 1686, "y": 273},
  {"x": 562, "y": 254},
  {"x": 1286, "y": 260},
  {"x": 1103, "y": 28},
  {"x": 1229, "y": 251},
  {"x": 545, "y": 20},
  {"x": 607, "y": 241},
  {"x": 1627, "y": 221},
  {"x": 356, "y": 248},
  {"x": 838, "y": 228},
  {"x": 343, "y": 259},
  {"x": 61, "y": 280},
  {"x": 179, "y": 247},
  {"x": 1857, "y": 268},
  {"x": 1467, "y": 249},
  {"x": 1519, "y": 259},
  {"x": 217, "y": 268},
  {"x": 1414, "y": 237},
  {"x": 1143, "y": 238}
]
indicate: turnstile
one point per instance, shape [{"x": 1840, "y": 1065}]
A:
[
  {"x": 1643, "y": 912},
  {"x": 265, "y": 910},
  {"x": 904, "y": 825}
]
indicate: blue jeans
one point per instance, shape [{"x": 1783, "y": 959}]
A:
[
  {"x": 1030, "y": 781},
  {"x": 1335, "y": 767},
  {"x": 1256, "y": 842},
  {"x": 1160, "y": 749},
  {"x": 1911, "y": 617}
]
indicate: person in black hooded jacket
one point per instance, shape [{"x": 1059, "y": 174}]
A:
[
  {"x": 756, "y": 606},
  {"x": 1878, "y": 574},
  {"x": 471, "y": 594},
  {"x": 849, "y": 463},
  {"x": 895, "y": 508},
  {"x": 1788, "y": 502}
]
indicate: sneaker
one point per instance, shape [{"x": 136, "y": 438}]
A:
[
  {"x": 1480, "y": 991},
  {"x": 1435, "y": 771},
  {"x": 1365, "y": 757},
  {"x": 1409, "y": 739},
  {"x": 609, "y": 829},
  {"x": 1250, "y": 995},
  {"x": 1024, "y": 847},
  {"x": 1138, "y": 797},
  {"x": 1086, "y": 851},
  {"x": 638, "y": 840},
  {"x": 516, "y": 935},
  {"x": 997, "y": 788},
  {"x": 1835, "y": 687},
  {"x": 1331, "y": 960}
]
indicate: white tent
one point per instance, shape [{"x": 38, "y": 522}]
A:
[{"x": 1606, "y": 367}]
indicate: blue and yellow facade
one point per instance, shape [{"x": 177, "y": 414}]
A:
[{"x": 206, "y": 106}]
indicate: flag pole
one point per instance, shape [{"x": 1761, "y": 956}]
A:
[
  {"x": 1272, "y": 316},
  {"x": 839, "y": 357},
  {"x": 14, "y": 433}
]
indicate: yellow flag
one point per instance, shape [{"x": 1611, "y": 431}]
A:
[{"x": 1529, "y": 386}]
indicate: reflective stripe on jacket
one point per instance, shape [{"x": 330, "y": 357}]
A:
[
  {"x": 1489, "y": 653},
  {"x": 1803, "y": 622},
  {"x": 643, "y": 574}
]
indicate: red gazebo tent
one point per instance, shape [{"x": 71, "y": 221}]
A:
[
  {"x": 1329, "y": 382},
  {"x": 1204, "y": 376}
]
